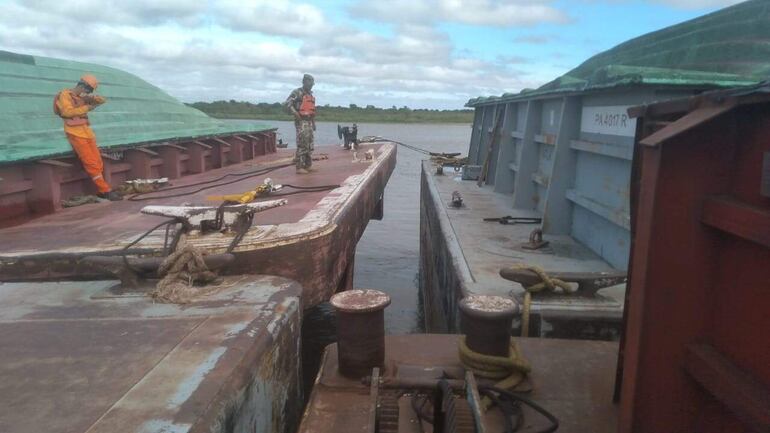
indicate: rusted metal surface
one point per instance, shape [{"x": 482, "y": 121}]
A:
[
  {"x": 374, "y": 397},
  {"x": 30, "y": 189},
  {"x": 74, "y": 361},
  {"x": 699, "y": 270},
  {"x": 312, "y": 239},
  {"x": 360, "y": 330},
  {"x": 535, "y": 241},
  {"x": 739, "y": 391},
  {"x": 588, "y": 283},
  {"x": 474, "y": 401},
  {"x": 573, "y": 380},
  {"x": 460, "y": 256},
  {"x": 486, "y": 321},
  {"x": 194, "y": 216},
  {"x": 134, "y": 273}
]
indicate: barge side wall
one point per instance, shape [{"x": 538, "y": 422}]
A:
[
  {"x": 569, "y": 159},
  {"x": 444, "y": 275}
]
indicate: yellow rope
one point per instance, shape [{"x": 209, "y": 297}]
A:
[
  {"x": 511, "y": 370},
  {"x": 546, "y": 283}
]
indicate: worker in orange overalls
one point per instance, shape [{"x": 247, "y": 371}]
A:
[{"x": 73, "y": 105}]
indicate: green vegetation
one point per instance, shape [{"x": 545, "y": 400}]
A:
[{"x": 264, "y": 111}]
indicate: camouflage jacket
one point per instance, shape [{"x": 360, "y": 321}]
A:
[{"x": 295, "y": 99}]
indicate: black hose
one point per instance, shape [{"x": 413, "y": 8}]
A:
[
  {"x": 124, "y": 251},
  {"x": 506, "y": 409},
  {"x": 241, "y": 176},
  {"x": 303, "y": 189},
  {"x": 419, "y": 410},
  {"x": 517, "y": 397},
  {"x": 415, "y": 148}
]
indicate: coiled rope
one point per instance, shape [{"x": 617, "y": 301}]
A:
[
  {"x": 181, "y": 270},
  {"x": 509, "y": 370}
]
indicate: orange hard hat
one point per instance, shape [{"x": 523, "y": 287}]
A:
[{"x": 90, "y": 80}]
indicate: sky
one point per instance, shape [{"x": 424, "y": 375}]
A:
[{"x": 418, "y": 53}]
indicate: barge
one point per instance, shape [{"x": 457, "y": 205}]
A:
[
  {"x": 311, "y": 238},
  {"x": 79, "y": 358},
  {"x": 693, "y": 355},
  {"x": 91, "y": 341},
  {"x": 555, "y": 163}
]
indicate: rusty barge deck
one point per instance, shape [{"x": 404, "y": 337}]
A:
[
  {"x": 572, "y": 379},
  {"x": 312, "y": 239},
  {"x": 461, "y": 255},
  {"x": 77, "y": 359}
]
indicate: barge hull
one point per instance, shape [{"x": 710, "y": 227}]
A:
[
  {"x": 78, "y": 357},
  {"x": 311, "y": 240},
  {"x": 461, "y": 255}
]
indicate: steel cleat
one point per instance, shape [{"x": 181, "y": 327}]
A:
[
  {"x": 193, "y": 217},
  {"x": 588, "y": 282}
]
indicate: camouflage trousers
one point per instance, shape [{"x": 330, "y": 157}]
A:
[{"x": 304, "y": 156}]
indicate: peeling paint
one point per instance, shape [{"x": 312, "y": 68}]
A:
[
  {"x": 288, "y": 307},
  {"x": 189, "y": 385},
  {"x": 163, "y": 426}
]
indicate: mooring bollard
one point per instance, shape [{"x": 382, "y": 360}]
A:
[
  {"x": 360, "y": 331},
  {"x": 486, "y": 322}
]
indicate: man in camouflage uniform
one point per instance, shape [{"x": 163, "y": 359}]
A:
[{"x": 301, "y": 104}]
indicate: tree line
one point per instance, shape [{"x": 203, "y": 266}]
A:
[{"x": 274, "y": 111}]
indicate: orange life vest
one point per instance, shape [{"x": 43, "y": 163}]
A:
[
  {"x": 307, "y": 108},
  {"x": 70, "y": 121}
]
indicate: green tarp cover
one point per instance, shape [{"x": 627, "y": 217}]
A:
[
  {"x": 136, "y": 112},
  {"x": 727, "y": 48}
]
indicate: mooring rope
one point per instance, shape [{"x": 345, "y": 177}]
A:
[
  {"x": 509, "y": 370},
  {"x": 546, "y": 283}
]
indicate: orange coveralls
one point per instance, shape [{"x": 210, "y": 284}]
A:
[{"x": 82, "y": 137}]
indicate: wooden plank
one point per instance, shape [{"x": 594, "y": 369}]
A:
[
  {"x": 737, "y": 218},
  {"x": 55, "y": 163},
  {"x": 743, "y": 394},
  {"x": 238, "y": 137},
  {"x": 517, "y": 134}
]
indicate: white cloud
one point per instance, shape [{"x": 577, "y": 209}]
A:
[
  {"x": 499, "y": 13},
  {"x": 276, "y": 17},
  {"x": 144, "y": 12},
  {"x": 258, "y": 51}
]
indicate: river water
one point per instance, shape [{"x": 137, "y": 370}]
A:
[{"x": 387, "y": 257}]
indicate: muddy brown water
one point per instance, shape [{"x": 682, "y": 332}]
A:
[{"x": 387, "y": 257}]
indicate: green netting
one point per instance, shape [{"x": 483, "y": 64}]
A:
[
  {"x": 137, "y": 112},
  {"x": 727, "y": 48}
]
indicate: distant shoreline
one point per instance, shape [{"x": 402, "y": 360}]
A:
[
  {"x": 370, "y": 114},
  {"x": 323, "y": 119}
]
